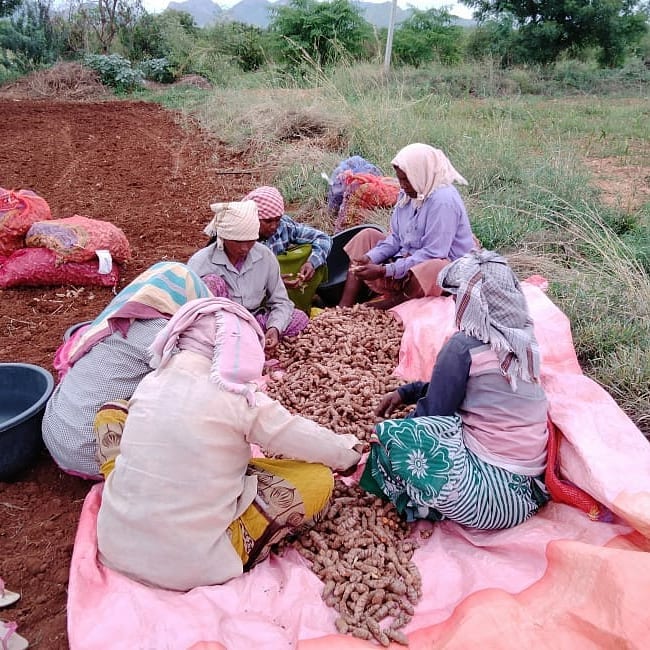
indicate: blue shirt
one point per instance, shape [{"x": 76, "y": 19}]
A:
[{"x": 290, "y": 233}]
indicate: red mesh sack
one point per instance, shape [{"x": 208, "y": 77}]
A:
[
  {"x": 76, "y": 238},
  {"x": 363, "y": 194},
  {"x": 39, "y": 267},
  {"x": 18, "y": 211}
]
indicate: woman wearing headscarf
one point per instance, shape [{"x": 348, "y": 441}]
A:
[
  {"x": 429, "y": 228},
  {"x": 107, "y": 359},
  {"x": 185, "y": 504},
  {"x": 236, "y": 266},
  {"x": 474, "y": 448},
  {"x": 301, "y": 249}
]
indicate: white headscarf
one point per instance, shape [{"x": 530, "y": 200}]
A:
[
  {"x": 427, "y": 169},
  {"x": 237, "y": 221},
  {"x": 491, "y": 307}
]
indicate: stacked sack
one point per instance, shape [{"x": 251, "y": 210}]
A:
[
  {"x": 36, "y": 250},
  {"x": 356, "y": 189}
]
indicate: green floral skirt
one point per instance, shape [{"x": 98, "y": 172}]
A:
[{"x": 423, "y": 467}]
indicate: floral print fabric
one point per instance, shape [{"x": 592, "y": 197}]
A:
[{"x": 423, "y": 467}]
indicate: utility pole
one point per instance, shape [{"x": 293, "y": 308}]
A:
[{"x": 389, "y": 37}]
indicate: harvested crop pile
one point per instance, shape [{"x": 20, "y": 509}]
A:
[
  {"x": 67, "y": 80},
  {"x": 335, "y": 372},
  {"x": 361, "y": 551},
  {"x": 338, "y": 368}
]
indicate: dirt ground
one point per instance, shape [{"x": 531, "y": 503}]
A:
[{"x": 137, "y": 166}]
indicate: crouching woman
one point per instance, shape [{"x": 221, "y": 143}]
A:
[
  {"x": 474, "y": 448},
  {"x": 185, "y": 505}
]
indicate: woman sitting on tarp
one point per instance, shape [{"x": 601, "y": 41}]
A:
[
  {"x": 235, "y": 265},
  {"x": 301, "y": 249},
  {"x": 107, "y": 359},
  {"x": 474, "y": 449},
  {"x": 429, "y": 228},
  {"x": 184, "y": 504}
]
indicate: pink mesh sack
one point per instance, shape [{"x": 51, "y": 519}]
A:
[
  {"x": 38, "y": 267},
  {"x": 77, "y": 238},
  {"x": 18, "y": 211}
]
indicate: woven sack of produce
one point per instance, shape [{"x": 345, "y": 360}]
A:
[{"x": 19, "y": 209}]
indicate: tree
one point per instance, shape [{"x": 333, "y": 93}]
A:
[
  {"x": 324, "y": 30},
  {"x": 427, "y": 36},
  {"x": 7, "y": 7},
  {"x": 105, "y": 18},
  {"x": 243, "y": 44},
  {"x": 29, "y": 35},
  {"x": 548, "y": 28}
]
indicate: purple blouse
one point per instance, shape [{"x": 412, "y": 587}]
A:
[{"x": 439, "y": 229}]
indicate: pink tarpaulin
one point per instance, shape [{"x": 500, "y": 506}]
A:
[{"x": 559, "y": 579}]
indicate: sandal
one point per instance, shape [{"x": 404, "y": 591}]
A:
[
  {"x": 7, "y": 597},
  {"x": 9, "y": 639}
]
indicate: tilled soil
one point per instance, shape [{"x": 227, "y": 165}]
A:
[{"x": 152, "y": 173}]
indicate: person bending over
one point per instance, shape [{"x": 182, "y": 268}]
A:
[
  {"x": 235, "y": 265},
  {"x": 301, "y": 249},
  {"x": 185, "y": 504},
  {"x": 107, "y": 360}
]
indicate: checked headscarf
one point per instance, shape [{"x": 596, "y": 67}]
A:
[{"x": 491, "y": 307}]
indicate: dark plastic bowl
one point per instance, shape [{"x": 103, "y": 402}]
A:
[
  {"x": 338, "y": 262},
  {"x": 24, "y": 390}
]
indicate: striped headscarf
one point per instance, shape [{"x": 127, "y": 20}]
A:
[
  {"x": 427, "y": 169},
  {"x": 157, "y": 292},
  {"x": 223, "y": 331},
  {"x": 270, "y": 203},
  {"x": 491, "y": 307}
]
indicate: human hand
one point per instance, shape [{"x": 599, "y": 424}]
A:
[
  {"x": 358, "y": 262},
  {"x": 291, "y": 280},
  {"x": 353, "y": 468},
  {"x": 388, "y": 404},
  {"x": 271, "y": 338},
  {"x": 370, "y": 271},
  {"x": 306, "y": 272}
]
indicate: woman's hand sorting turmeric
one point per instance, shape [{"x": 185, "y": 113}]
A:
[{"x": 389, "y": 403}]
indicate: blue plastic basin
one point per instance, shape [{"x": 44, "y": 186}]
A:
[{"x": 24, "y": 390}]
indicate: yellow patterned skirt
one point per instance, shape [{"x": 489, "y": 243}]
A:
[{"x": 291, "y": 496}]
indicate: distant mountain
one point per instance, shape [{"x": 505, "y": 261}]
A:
[
  {"x": 258, "y": 12},
  {"x": 204, "y": 12},
  {"x": 379, "y": 14}
]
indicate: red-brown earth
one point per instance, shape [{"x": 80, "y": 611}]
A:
[{"x": 153, "y": 174}]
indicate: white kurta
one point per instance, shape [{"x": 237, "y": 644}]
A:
[{"x": 180, "y": 479}]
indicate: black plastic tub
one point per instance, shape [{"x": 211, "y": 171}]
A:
[
  {"x": 338, "y": 262},
  {"x": 24, "y": 390}
]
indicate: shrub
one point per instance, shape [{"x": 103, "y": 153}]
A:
[
  {"x": 157, "y": 70},
  {"x": 114, "y": 70}
]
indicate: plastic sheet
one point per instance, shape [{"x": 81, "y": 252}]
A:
[{"x": 558, "y": 580}]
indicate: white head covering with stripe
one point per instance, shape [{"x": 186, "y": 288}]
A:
[
  {"x": 221, "y": 330},
  {"x": 427, "y": 169},
  {"x": 491, "y": 307},
  {"x": 237, "y": 221}
]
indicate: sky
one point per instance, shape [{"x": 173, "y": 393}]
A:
[{"x": 460, "y": 10}]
